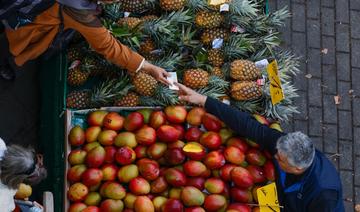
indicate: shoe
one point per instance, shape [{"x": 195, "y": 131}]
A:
[{"x": 7, "y": 73}]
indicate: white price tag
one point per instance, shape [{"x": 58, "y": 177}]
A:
[
  {"x": 74, "y": 64},
  {"x": 226, "y": 101},
  {"x": 172, "y": 79},
  {"x": 224, "y": 8},
  {"x": 217, "y": 43},
  {"x": 237, "y": 29},
  {"x": 126, "y": 14},
  {"x": 262, "y": 64}
]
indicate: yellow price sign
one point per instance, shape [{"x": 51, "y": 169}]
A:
[
  {"x": 268, "y": 199},
  {"x": 276, "y": 91},
  {"x": 216, "y": 2}
]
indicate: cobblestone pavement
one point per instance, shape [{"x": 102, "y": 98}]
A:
[{"x": 326, "y": 34}]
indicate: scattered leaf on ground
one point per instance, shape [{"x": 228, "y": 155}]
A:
[{"x": 337, "y": 99}]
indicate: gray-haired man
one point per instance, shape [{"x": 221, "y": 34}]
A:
[{"x": 307, "y": 181}]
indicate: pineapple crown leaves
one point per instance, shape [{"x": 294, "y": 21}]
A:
[
  {"x": 238, "y": 46},
  {"x": 216, "y": 88},
  {"x": 244, "y": 7},
  {"x": 112, "y": 11},
  {"x": 126, "y": 36},
  {"x": 169, "y": 62},
  {"x": 165, "y": 96},
  {"x": 278, "y": 18},
  {"x": 288, "y": 64},
  {"x": 167, "y": 25},
  {"x": 109, "y": 90},
  {"x": 187, "y": 37},
  {"x": 198, "y": 5},
  {"x": 251, "y": 106}
]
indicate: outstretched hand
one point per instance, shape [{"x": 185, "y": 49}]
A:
[
  {"x": 158, "y": 73},
  {"x": 191, "y": 96}
]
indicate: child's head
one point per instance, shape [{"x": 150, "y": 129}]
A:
[{"x": 21, "y": 165}]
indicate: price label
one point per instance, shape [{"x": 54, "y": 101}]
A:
[
  {"x": 261, "y": 64},
  {"x": 224, "y": 8},
  {"x": 172, "y": 79},
  {"x": 268, "y": 199},
  {"x": 126, "y": 14},
  {"x": 216, "y": 2},
  {"x": 276, "y": 91},
  {"x": 217, "y": 43}
]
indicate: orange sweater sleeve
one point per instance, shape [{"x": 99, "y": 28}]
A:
[{"x": 104, "y": 43}]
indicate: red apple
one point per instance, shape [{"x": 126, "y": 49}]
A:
[
  {"x": 211, "y": 140},
  {"x": 214, "y": 160},
  {"x": 239, "y": 207},
  {"x": 239, "y": 143},
  {"x": 257, "y": 173},
  {"x": 261, "y": 119},
  {"x": 241, "y": 195},
  {"x": 96, "y": 118},
  {"x": 242, "y": 177},
  {"x": 91, "y": 209},
  {"x": 215, "y": 202},
  {"x": 269, "y": 170},
  {"x": 159, "y": 185},
  {"x": 193, "y": 134},
  {"x": 125, "y": 139},
  {"x": 173, "y": 205},
  {"x": 125, "y": 155},
  {"x": 139, "y": 186},
  {"x": 211, "y": 122},
  {"x": 143, "y": 204},
  {"x": 194, "y": 151},
  {"x": 146, "y": 136},
  {"x": 175, "y": 177},
  {"x": 149, "y": 169},
  {"x": 113, "y": 121},
  {"x": 234, "y": 155},
  {"x": 157, "y": 119},
  {"x": 134, "y": 121},
  {"x": 106, "y": 137},
  {"x": 194, "y": 168},
  {"x": 195, "y": 209},
  {"x": 140, "y": 151},
  {"x": 112, "y": 190},
  {"x": 255, "y": 157},
  {"x": 111, "y": 205},
  {"x": 89, "y": 146},
  {"x": 74, "y": 173},
  {"x": 77, "y": 157},
  {"x": 181, "y": 129},
  {"x": 76, "y": 136},
  {"x": 92, "y": 177},
  {"x": 127, "y": 173},
  {"x": 225, "y": 172},
  {"x": 167, "y": 134},
  {"x": 174, "y": 156},
  {"x": 214, "y": 185},
  {"x": 95, "y": 157},
  {"x": 197, "y": 182},
  {"x": 77, "y": 207},
  {"x": 109, "y": 154},
  {"x": 146, "y": 112},
  {"x": 176, "y": 114},
  {"x": 191, "y": 196},
  {"x": 92, "y": 133},
  {"x": 176, "y": 144},
  {"x": 156, "y": 150},
  {"x": 109, "y": 172},
  {"x": 195, "y": 116},
  {"x": 77, "y": 192}
]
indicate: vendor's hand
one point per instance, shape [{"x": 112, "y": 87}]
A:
[
  {"x": 158, "y": 73},
  {"x": 189, "y": 95}
]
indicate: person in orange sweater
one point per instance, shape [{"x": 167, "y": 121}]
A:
[{"x": 32, "y": 40}]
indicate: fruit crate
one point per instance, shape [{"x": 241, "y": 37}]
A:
[{"x": 79, "y": 117}]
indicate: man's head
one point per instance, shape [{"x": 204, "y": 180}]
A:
[
  {"x": 21, "y": 165},
  {"x": 296, "y": 152}
]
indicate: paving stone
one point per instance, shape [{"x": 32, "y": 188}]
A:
[
  {"x": 343, "y": 66},
  {"x": 283, "y": 3},
  {"x": 343, "y": 91},
  {"x": 327, "y": 21},
  {"x": 315, "y": 121},
  {"x": 314, "y": 62},
  {"x": 342, "y": 11},
  {"x": 318, "y": 142},
  {"x": 355, "y": 75},
  {"x": 287, "y": 126},
  {"x": 327, "y": 3},
  {"x": 356, "y": 111},
  {"x": 330, "y": 110},
  {"x": 329, "y": 44},
  {"x": 298, "y": 17},
  {"x": 355, "y": 53},
  {"x": 313, "y": 9},
  {"x": 313, "y": 33},
  {"x": 299, "y": 47},
  {"x": 345, "y": 125},
  {"x": 357, "y": 195},
  {"x": 315, "y": 96},
  {"x": 346, "y": 153},
  {"x": 357, "y": 171},
  {"x": 342, "y": 37},
  {"x": 334, "y": 160},
  {"x": 357, "y": 140},
  {"x": 349, "y": 205},
  {"x": 355, "y": 4},
  {"x": 347, "y": 182},
  {"x": 330, "y": 138},
  {"x": 329, "y": 79},
  {"x": 302, "y": 104},
  {"x": 272, "y": 5},
  {"x": 354, "y": 23},
  {"x": 300, "y": 81},
  {"x": 300, "y": 125}
]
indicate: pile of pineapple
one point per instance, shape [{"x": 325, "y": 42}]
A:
[{"x": 213, "y": 49}]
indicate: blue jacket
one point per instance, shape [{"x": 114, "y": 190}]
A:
[{"x": 317, "y": 190}]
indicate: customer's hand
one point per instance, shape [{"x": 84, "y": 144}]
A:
[
  {"x": 158, "y": 73},
  {"x": 191, "y": 96}
]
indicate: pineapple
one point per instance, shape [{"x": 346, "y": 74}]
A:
[
  {"x": 216, "y": 71},
  {"x": 130, "y": 100},
  {"x": 246, "y": 90},
  {"x": 74, "y": 53},
  {"x": 244, "y": 70},
  {"x": 196, "y": 78},
  {"x": 77, "y": 77},
  {"x": 209, "y": 35},
  {"x": 216, "y": 57},
  {"x": 149, "y": 18},
  {"x": 147, "y": 47},
  {"x": 171, "y": 5},
  {"x": 93, "y": 65},
  {"x": 209, "y": 19},
  {"x": 130, "y": 22},
  {"x": 136, "y": 6},
  {"x": 102, "y": 95},
  {"x": 144, "y": 84}
]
